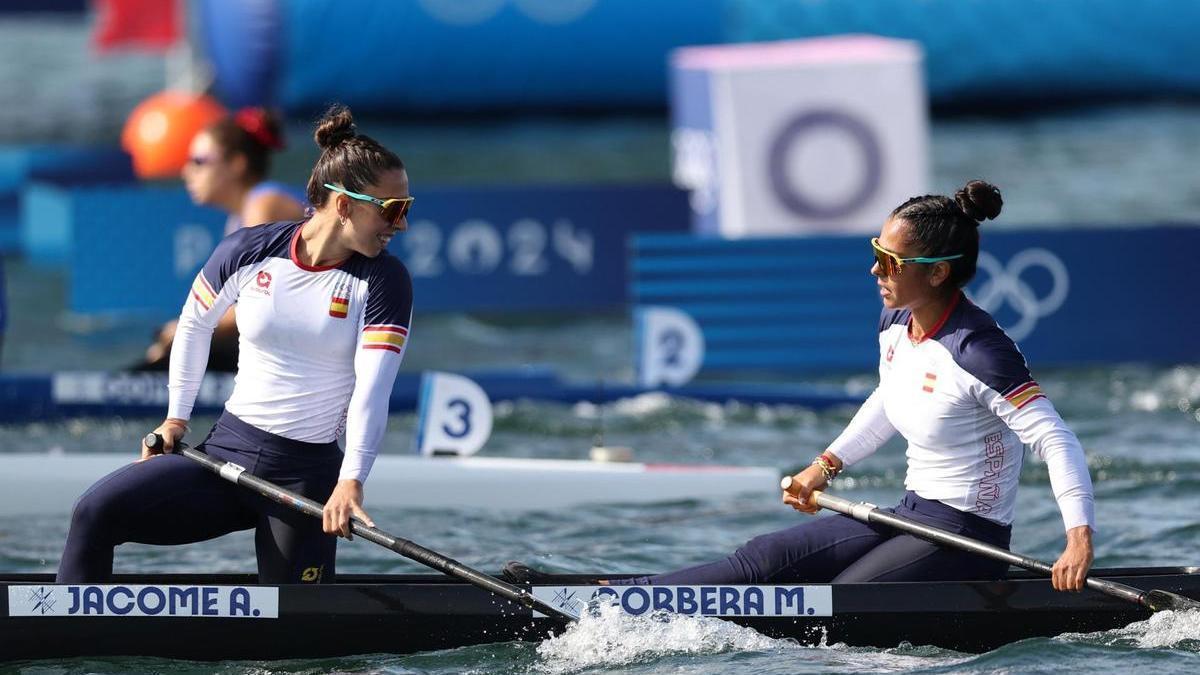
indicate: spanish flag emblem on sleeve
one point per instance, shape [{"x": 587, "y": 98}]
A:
[
  {"x": 930, "y": 383},
  {"x": 385, "y": 336},
  {"x": 339, "y": 305},
  {"x": 1024, "y": 394},
  {"x": 202, "y": 292}
]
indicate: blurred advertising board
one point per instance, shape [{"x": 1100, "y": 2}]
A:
[
  {"x": 135, "y": 250},
  {"x": 1066, "y": 296}
]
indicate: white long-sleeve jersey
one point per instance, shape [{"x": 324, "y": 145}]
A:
[
  {"x": 964, "y": 400},
  {"x": 319, "y": 347}
]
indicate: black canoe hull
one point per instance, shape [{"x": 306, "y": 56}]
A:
[{"x": 415, "y": 613}]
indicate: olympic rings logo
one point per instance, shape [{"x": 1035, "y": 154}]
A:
[
  {"x": 1005, "y": 286},
  {"x": 823, "y": 122}
]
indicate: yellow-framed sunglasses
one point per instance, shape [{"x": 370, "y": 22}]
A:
[{"x": 892, "y": 264}]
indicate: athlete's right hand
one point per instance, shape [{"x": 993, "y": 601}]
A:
[
  {"x": 171, "y": 430},
  {"x": 798, "y": 493}
]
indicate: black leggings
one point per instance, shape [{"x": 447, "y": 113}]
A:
[
  {"x": 169, "y": 499},
  {"x": 840, "y": 549}
]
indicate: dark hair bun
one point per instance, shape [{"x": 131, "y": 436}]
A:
[
  {"x": 335, "y": 127},
  {"x": 980, "y": 200}
]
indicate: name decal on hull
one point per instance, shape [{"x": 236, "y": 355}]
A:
[
  {"x": 697, "y": 600},
  {"x": 51, "y": 600}
]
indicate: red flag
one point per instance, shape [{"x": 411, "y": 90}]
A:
[{"x": 152, "y": 25}]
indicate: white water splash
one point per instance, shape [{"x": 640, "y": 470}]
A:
[
  {"x": 608, "y": 637},
  {"x": 1174, "y": 630},
  {"x": 650, "y": 403},
  {"x": 1165, "y": 629}
]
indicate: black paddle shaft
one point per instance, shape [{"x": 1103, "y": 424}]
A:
[
  {"x": 1153, "y": 600},
  {"x": 237, "y": 474}
]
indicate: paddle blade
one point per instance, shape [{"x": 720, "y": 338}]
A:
[{"x": 1160, "y": 601}]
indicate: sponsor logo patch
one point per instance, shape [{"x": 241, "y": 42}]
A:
[
  {"x": 52, "y": 600},
  {"x": 262, "y": 284}
]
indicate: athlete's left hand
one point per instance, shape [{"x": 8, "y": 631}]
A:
[
  {"x": 344, "y": 503},
  {"x": 1070, "y": 570}
]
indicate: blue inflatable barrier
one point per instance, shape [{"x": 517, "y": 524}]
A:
[
  {"x": 450, "y": 54},
  {"x": 242, "y": 41},
  {"x": 467, "y": 55},
  {"x": 998, "y": 51}
]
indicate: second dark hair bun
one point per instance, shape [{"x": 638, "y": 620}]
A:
[
  {"x": 980, "y": 200},
  {"x": 335, "y": 127}
]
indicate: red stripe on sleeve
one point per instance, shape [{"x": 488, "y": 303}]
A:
[{"x": 378, "y": 345}]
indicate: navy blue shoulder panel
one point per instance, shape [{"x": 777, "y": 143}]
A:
[
  {"x": 389, "y": 288},
  {"x": 983, "y": 349},
  {"x": 891, "y": 317},
  {"x": 247, "y": 246}
]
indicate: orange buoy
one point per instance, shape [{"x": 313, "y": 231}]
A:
[{"x": 159, "y": 130}]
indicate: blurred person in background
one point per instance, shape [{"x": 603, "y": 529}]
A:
[
  {"x": 227, "y": 167},
  {"x": 323, "y": 312},
  {"x": 956, "y": 387}
]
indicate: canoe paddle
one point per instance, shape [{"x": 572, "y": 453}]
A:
[
  {"x": 1153, "y": 600},
  {"x": 237, "y": 474}
]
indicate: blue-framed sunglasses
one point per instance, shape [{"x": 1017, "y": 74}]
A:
[
  {"x": 892, "y": 264},
  {"x": 392, "y": 210}
]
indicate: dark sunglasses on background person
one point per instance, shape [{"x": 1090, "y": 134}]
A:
[
  {"x": 892, "y": 264},
  {"x": 392, "y": 210}
]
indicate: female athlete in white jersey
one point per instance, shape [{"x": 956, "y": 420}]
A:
[
  {"x": 958, "y": 390},
  {"x": 323, "y": 317}
]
